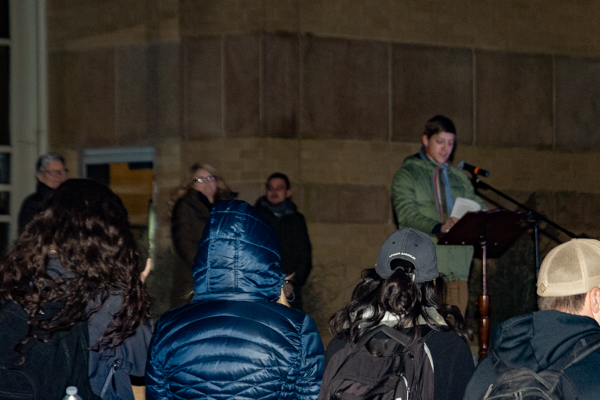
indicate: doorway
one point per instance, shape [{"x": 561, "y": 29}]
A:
[{"x": 129, "y": 174}]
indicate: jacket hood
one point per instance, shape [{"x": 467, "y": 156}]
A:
[
  {"x": 238, "y": 256},
  {"x": 538, "y": 339}
]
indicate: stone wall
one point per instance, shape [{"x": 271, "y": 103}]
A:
[{"x": 335, "y": 94}]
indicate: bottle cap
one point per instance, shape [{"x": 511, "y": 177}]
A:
[{"x": 72, "y": 390}]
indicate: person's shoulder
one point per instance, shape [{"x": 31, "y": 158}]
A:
[
  {"x": 447, "y": 342},
  {"x": 185, "y": 198},
  {"x": 34, "y": 200},
  {"x": 411, "y": 163},
  {"x": 584, "y": 377},
  {"x": 293, "y": 210}
]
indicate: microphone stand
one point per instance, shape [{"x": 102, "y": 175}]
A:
[{"x": 534, "y": 217}]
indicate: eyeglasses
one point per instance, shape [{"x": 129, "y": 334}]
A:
[
  {"x": 205, "y": 180},
  {"x": 56, "y": 172}
]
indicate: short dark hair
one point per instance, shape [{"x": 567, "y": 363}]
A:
[
  {"x": 280, "y": 176},
  {"x": 570, "y": 304},
  {"x": 438, "y": 124}
]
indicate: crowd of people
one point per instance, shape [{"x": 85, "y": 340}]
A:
[{"x": 237, "y": 329}]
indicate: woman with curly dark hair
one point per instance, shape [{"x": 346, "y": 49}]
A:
[
  {"x": 402, "y": 292},
  {"x": 80, "y": 253}
]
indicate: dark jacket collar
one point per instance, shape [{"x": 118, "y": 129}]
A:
[
  {"x": 43, "y": 190},
  {"x": 286, "y": 207}
]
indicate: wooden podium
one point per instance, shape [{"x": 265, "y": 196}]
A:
[{"x": 494, "y": 231}]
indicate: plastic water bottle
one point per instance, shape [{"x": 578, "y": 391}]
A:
[{"x": 72, "y": 394}]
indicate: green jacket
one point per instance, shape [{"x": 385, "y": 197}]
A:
[{"x": 414, "y": 204}]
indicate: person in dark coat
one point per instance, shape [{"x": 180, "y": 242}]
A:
[
  {"x": 401, "y": 292},
  {"x": 50, "y": 173},
  {"x": 568, "y": 287},
  {"x": 281, "y": 213},
  {"x": 233, "y": 340},
  {"x": 192, "y": 200}
]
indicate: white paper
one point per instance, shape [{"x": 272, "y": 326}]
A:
[{"x": 463, "y": 206}]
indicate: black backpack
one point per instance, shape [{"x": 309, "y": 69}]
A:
[
  {"x": 49, "y": 367},
  {"x": 400, "y": 370},
  {"x": 525, "y": 384}
]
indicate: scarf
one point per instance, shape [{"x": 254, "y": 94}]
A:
[
  {"x": 441, "y": 187},
  {"x": 286, "y": 207}
]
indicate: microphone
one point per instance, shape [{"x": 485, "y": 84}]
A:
[{"x": 473, "y": 169}]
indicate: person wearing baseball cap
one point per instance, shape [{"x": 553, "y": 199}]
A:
[
  {"x": 402, "y": 292},
  {"x": 568, "y": 321}
]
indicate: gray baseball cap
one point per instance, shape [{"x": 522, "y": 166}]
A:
[{"x": 411, "y": 245}]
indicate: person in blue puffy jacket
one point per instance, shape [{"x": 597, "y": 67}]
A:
[{"x": 234, "y": 340}]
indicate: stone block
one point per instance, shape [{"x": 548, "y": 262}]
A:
[
  {"x": 165, "y": 91},
  {"x": 248, "y": 191},
  {"x": 578, "y": 212},
  {"x": 577, "y": 104},
  {"x": 131, "y": 94},
  {"x": 532, "y": 170},
  {"x": 207, "y": 17},
  {"x": 280, "y": 87},
  {"x": 428, "y": 81},
  {"x": 164, "y": 205},
  {"x": 514, "y": 100},
  {"x": 89, "y": 90},
  {"x": 350, "y": 204},
  {"x": 345, "y": 88},
  {"x": 552, "y": 26},
  {"x": 202, "y": 88},
  {"x": 242, "y": 86},
  {"x": 351, "y": 162},
  {"x": 90, "y": 23},
  {"x": 56, "y": 98},
  {"x": 281, "y": 15},
  {"x": 169, "y": 171}
]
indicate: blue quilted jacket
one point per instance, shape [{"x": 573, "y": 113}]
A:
[{"x": 233, "y": 340}]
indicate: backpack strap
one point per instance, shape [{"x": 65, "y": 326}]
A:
[
  {"x": 581, "y": 350},
  {"x": 398, "y": 336}
]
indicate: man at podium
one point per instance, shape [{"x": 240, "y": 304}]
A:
[{"x": 424, "y": 191}]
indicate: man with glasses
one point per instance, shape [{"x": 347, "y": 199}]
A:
[
  {"x": 281, "y": 213},
  {"x": 50, "y": 173}
]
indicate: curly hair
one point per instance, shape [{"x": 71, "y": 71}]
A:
[
  {"x": 398, "y": 295},
  {"x": 85, "y": 224}
]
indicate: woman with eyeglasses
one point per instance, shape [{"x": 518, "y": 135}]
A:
[{"x": 192, "y": 202}]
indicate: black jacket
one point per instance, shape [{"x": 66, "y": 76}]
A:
[
  {"x": 32, "y": 205},
  {"x": 452, "y": 362},
  {"x": 536, "y": 341},
  {"x": 290, "y": 226}
]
